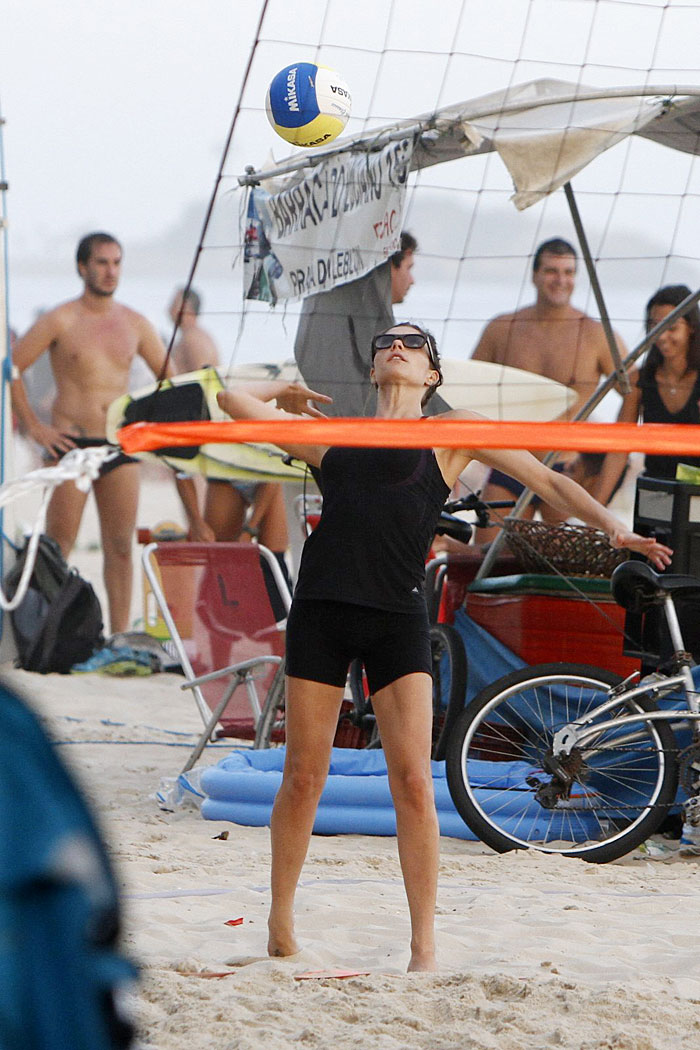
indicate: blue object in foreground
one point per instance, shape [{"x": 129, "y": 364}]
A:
[
  {"x": 62, "y": 972},
  {"x": 356, "y": 799}
]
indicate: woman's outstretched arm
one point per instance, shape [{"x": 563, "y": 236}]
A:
[
  {"x": 562, "y": 493},
  {"x": 566, "y": 496},
  {"x": 254, "y": 401}
]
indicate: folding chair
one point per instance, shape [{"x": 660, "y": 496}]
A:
[{"x": 216, "y": 606}]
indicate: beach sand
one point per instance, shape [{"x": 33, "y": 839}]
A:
[{"x": 535, "y": 951}]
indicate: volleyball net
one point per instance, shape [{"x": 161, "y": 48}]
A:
[{"x": 448, "y": 89}]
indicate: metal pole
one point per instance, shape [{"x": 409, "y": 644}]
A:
[
  {"x": 620, "y": 372},
  {"x": 7, "y": 648},
  {"x": 453, "y": 115}
]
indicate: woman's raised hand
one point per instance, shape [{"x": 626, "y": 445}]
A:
[
  {"x": 657, "y": 553},
  {"x": 297, "y": 398}
]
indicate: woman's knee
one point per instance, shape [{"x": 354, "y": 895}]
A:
[
  {"x": 413, "y": 787},
  {"x": 305, "y": 780}
]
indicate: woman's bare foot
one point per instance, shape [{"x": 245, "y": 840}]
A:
[
  {"x": 422, "y": 962},
  {"x": 281, "y": 940}
]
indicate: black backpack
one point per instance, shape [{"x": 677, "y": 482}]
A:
[{"x": 58, "y": 623}]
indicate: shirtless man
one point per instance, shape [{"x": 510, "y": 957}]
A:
[
  {"x": 194, "y": 347},
  {"x": 92, "y": 341},
  {"x": 552, "y": 338}
]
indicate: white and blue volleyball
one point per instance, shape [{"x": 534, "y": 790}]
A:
[{"x": 308, "y": 105}]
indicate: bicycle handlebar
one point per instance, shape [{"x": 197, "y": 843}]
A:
[
  {"x": 457, "y": 528},
  {"x": 480, "y": 507}
]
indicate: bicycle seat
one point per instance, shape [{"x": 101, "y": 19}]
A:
[{"x": 635, "y": 585}]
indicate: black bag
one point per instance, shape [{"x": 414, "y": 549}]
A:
[{"x": 58, "y": 623}]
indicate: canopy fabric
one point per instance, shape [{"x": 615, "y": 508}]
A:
[
  {"x": 544, "y": 130},
  {"x": 659, "y": 438}
]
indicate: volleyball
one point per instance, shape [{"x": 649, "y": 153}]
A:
[{"x": 308, "y": 105}]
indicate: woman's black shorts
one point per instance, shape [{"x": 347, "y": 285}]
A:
[{"x": 324, "y": 637}]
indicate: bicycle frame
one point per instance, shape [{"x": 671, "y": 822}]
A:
[
  {"x": 580, "y": 733},
  {"x": 577, "y": 735}
]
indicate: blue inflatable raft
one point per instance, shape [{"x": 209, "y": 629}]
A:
[{"x": 356, "y": 799}]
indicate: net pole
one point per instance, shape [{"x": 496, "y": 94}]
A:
[
  {"x": 214, "y": 192},
  {"x": 620, "y": 372},
  {"x": 7, "y": 648}
]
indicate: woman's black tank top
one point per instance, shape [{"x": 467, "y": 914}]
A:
[
  {"x": 380, "y": 510},
  {"x": 655, "y": 411}
]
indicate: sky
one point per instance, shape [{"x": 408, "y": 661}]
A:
[{"x": 116, "y": 114}]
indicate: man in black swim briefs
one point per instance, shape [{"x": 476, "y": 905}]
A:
[
  {"x": 117, "y": 460},
  {"x": 92, "y": 341}
]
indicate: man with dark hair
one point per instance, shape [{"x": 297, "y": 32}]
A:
[
  {"x": 401, "y": 268},
  {"x": 554, "y": 246},
  {"x": 226, "y": 503},
  {"x": 551, "y": 338},
  {"x": 91, "y": 241},
  {"x": 92, "y": 341},
  {"x": 336, "y": 328}
]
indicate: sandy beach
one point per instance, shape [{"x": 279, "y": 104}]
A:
[{"x": 535, "y": 951}]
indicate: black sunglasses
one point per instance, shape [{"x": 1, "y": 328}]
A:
[{"x": 411, "y": 340}]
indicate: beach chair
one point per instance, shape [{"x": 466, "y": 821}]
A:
[{"x": 218, "y": 610}]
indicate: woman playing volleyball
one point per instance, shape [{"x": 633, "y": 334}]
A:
[{"x": 359, "y": 594}]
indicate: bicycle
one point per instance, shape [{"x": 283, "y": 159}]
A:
[
  {"x": 572, "y": 759},
  {"x": 449, "y": 661}
]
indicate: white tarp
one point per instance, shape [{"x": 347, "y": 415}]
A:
[
  {"x": 545, "y": 131},
  {"x": 328, "y": 228},
  {"x": 545, "y": 146}
]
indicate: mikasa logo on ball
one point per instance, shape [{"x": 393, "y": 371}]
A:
[{"x": 291, "y": 97}]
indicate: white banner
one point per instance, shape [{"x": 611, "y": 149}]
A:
[{"x": 331, "y": 227}]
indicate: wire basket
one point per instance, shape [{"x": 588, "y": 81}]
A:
[{"x": 574, "y": 550}]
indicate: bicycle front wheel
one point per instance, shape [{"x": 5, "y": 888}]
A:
[{"x": 600, "y": 802}]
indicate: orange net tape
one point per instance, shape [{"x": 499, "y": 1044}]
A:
[{"x": 657, "y": 438}]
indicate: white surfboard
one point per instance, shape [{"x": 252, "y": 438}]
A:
[
  {"x": 497, "y": 391},
  {"x": 504, "y": 393}
]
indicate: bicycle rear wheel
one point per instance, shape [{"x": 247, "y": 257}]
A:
[
  {"x": 499, "y": 753},
  {"x": 449, "y": 683}
]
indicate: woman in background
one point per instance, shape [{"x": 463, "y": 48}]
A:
[{"x": 666, "y": 389}]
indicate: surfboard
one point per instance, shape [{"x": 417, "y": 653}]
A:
[
  {"x": 504, "y": 393},
  {"x": 497, "y": 391},
  {"x": 192, "y": 395}
]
